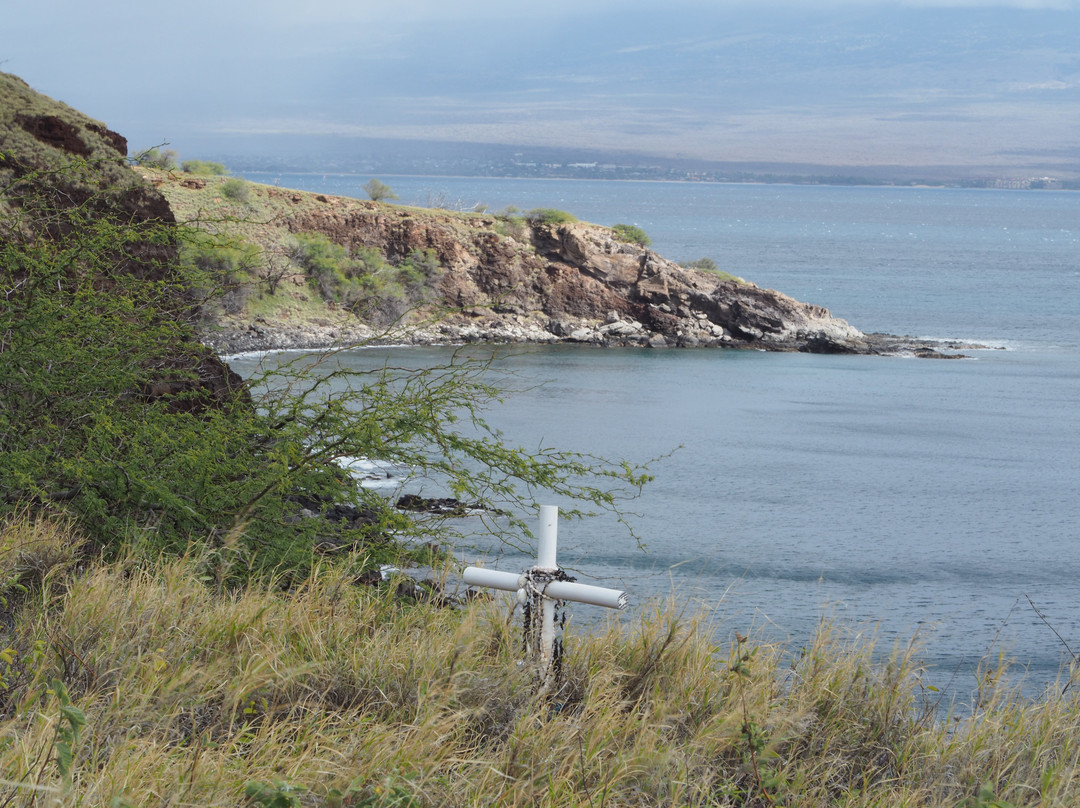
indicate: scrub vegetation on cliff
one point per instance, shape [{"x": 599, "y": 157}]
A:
[
  {"x": 265, "y": 270},
  {"x": 537, "y": 277}
]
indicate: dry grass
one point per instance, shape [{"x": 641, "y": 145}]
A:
[{"x": 337, "y": 695}]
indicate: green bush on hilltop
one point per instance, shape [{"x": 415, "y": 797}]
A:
[
  {"x": 631, "y": 234},
  {"x": 709, "y": 265},
  {"x": 236, "y": 189},
  {"x": 510, "y": 223},
  {"x": 379, "y": 191},
  {"x": 169, "y": 160},
  {"x": 203, "y": 167},
  {"x": 155, "y": 157},
  {"x": 549, "y": 216},
  {"x": 704, "y": 264}
]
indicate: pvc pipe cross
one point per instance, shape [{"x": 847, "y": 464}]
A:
[{"x": 534, "y": 584}]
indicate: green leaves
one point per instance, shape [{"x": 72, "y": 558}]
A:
[
  {"x": 364, "y": 281},
  {"x": 379, "y": 191},
  {"x": 550, "y": 216},
  {"x": 631, "y": 234},
  {"x": 69, "y": 726},
  {"x": 203, "y": 167}
]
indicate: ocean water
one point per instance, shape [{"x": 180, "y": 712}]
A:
[{"x": 906, "y": 498}]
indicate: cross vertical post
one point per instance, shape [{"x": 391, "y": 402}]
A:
[
  {"x": 546, "y": 564},
  {"x": 541, "y": 588}
]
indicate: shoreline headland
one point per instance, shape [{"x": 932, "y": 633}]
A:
[{"x": 539, "y": 278}]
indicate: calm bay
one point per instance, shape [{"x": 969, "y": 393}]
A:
[{"x": 904, "y": 497}]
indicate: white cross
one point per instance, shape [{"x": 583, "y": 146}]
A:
[{"x": 545, "y": 596}]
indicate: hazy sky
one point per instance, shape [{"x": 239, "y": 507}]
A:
[{"x": 845, "y": 82}]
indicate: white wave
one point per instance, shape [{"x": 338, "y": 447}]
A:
[
  {"x": 263, "y": 354},
  {"x": 373, "y": 473}
]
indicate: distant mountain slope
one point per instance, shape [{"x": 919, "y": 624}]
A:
[{"x": 959, "y": 90}]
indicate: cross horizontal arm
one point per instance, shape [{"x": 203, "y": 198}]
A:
[
  {"x": 479, "y": 576},
  {"x": 557, "y": 590},
  {"x": 586, "y": 593}
]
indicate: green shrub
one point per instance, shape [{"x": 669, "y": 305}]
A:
[
  {"x": 157, "y": 158},
  {"x": 331, "y": 270},
  {"x": 395, "y": 289},
  {"x": 549, "y": 216},
  {"x": 92, "y": 434},
  {"x": 203, "y": 167},
  {"x": 703, "y": 264},
  {"x": 236, "y": 189},
  {"x": 509, "y": 223},
  {"x": 222, "y": 271},
  {"x": 422, "y": 265},
  {"x": 709, "y": 265},
  {"x": 379, "y": 191},
  {"x": 632, "y": 234},
  {"x": 364, "y": 281}
]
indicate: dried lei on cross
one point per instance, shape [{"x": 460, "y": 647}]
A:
[{"x": 535, "y": 582}]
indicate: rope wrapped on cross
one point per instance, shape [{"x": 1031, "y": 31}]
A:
[{"x": 540, "y": 590}]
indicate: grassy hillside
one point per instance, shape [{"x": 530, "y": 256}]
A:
[
  {"x": 244, "y": 224},
  {"x": 131, "y": 684},
  {"x": 34, "y": 127}
]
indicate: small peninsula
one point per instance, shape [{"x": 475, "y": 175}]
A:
[{"x": 541, "y": 277}]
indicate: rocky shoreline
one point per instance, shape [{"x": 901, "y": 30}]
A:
[{"x": 262, "y": 336}]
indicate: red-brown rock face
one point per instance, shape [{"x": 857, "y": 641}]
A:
[{"x": 577, "y": 282}]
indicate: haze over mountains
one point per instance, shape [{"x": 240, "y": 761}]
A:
[{"x": 963, "y": 90}]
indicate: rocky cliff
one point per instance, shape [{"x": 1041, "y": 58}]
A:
[
  {"x": 576, "y": 282},
  {"x": 499, "y": 279}
]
